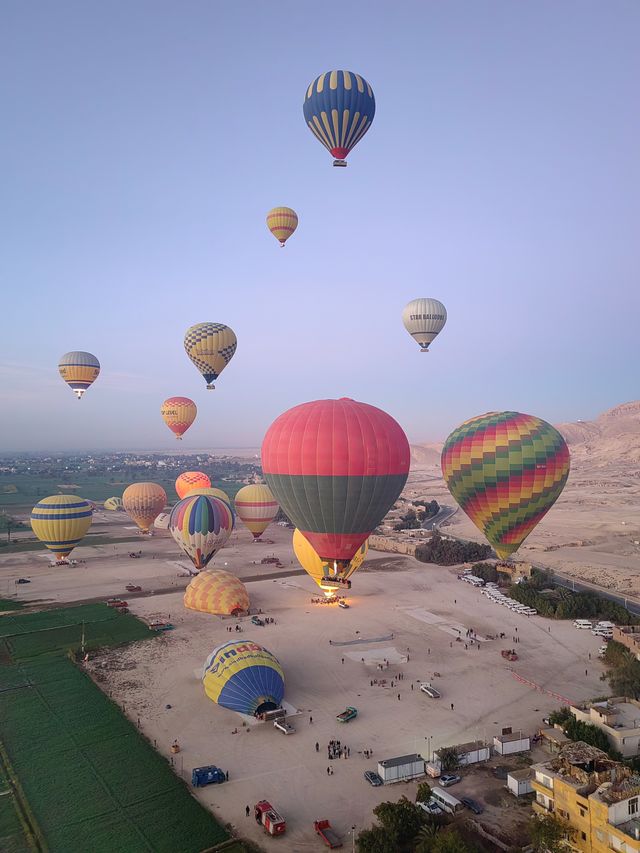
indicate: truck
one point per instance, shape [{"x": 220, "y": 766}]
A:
[
  {"x": 429, "y": 690},
  {"x": 283, "y": 726},
  {"x": 349, "y": 713},
  {"x": 326, "y": 833},
  {"x": 271, "y": 821},
  {"x": 509, "y": 654},
  {"x": 209, "y": 775}
]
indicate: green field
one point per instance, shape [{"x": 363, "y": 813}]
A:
[
  {"x": 20, "y": 546},
  {"x": 89, "y": 780}
]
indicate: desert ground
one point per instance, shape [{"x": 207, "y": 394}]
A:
[{"x": 412, "y": 615}]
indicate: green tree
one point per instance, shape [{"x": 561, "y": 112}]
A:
[
  {"x": 375, "y": 840},
  {"x": 423, "y": 841},
  {"x": 548, "y": 834},
  {"x": 401, "y": 820},
  {"x": 449, "y": 758},
  {"x": 423, "y": 794},
  {"x": 450, "y": 841}
]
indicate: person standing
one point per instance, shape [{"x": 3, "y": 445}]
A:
[{"x": 247, "y": 811}]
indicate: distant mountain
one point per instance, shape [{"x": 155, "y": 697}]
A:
[
  {"x": 612, "y": 436},
  {"x": 426, "y": 454}
]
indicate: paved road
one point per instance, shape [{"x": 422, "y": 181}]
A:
[{"x": 441, "y": 516}]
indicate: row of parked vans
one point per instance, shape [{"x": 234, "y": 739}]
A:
[
  {"x": 600, "y": 629},
  {"x": 493, "y": 593}
]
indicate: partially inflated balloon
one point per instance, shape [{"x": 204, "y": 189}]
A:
[
  {"x": 336, "y": 467},
  {"x": 144, "y": 502},
  {"x": 424, "y": 319},
  {"x": 113, "y": 504},
  {"x": 243, "y": 677},
  {"x": 60, "y": 522},
  {"x": 79, "y": 370},
  {"x": 282, "y": 222},
  {"x": 210, "y": 346},
  {"x": 189, "y": 480},
  {"x": 256, "y": 508},
  {"x": 506, "y": 470},
  {"x": 201, "y": 525},
  {"x": 339, "y": 107},
  {"x": 178, "y": 413},
  {"x": 211, "y": 492},
  {"x": 314, "y": 566}
]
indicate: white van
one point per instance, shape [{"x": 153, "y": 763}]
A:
[
  {"x": 608, "y": 625},
  {"x": 606, "y": 633},
  {"x": 447, "y": 802},
  {"x": 583, "y": 623}
]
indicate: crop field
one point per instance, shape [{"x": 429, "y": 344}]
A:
[
  {"x": 13, "y": 838},
  {"x": 19, "y": 546},
  {"x": 89, "y": 780}
]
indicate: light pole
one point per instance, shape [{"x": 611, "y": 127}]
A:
[{"x": 353, "y": 838}]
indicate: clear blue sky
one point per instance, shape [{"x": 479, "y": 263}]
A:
[{"x": 144, "y": 142}]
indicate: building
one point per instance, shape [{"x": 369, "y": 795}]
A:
[
  {"x": 519, "y": 782},
  {"x": 619, "y": 719},
  {"x": 599, "y": 799},
  {"x": 401, "y": 769},
  {"x": 514, "y": 571},
  {"x": 629, "y": 636},
  {"x": 554, "y": 739},
  {"x": 468, "y": 753},
  {"x": 510, "y": 744}
]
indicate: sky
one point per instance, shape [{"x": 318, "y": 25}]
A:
[{"x": 144, "y": 142}]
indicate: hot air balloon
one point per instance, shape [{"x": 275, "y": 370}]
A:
[
  {"x": 162, "y": 521},
  {"x": 282, "y": 222},
  {"x": 211, "y": 492},
  {"x": 79, "y": 370},
  {"x": 424, "y": 319},
  {"x": 314, "y": 566},
  {"x": 144, "y": 502},
  {"x": 178, "y": 413},
  {"x": 336, "y": 467},
  {"x": 113, "y": 504},
  {"x": 256, "y": 508},
  {"x": 201, "y": 526},
  {"x": 243, "y": 677},
  {"x": 339, "y": 107},
  {"x": 189, "y": 480},
  {"x": 505, "y": 470},
  {"x": 217, "y": 592},
  {"x": 210, "y": 346},
  {"x": 60, "y": 522}
]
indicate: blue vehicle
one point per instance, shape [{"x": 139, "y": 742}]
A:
[{"x": 209, "y": 775}]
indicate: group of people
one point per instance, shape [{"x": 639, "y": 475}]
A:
[
  {"x": 327, "y": 599},
  {"x": 236, "y": 628},
  {"x": 335, "y": 749}
]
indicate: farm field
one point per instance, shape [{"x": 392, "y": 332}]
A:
[{"x": 90, "y": 780}]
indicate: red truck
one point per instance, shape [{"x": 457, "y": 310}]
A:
[
  {"x": 326, "y": 833},
  {"x": 272, "y": 822}
]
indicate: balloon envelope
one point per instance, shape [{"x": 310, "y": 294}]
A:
[
  {"x": 113, "y": 504},
  {"x": 201, "y": 525},
  {"x": 178, "y": 413},
  {"x": 282, "y": 222},
  {"x": 316, "y": 568},
  {"x": 505, "y": 470},
  {"x": 336, "y": 467},
  {"x": 339, "y": 107},
  {"x": 212, "y": 492},
  {"x": 189, "y": 480},
  {"x": 60, "y": 522},
  {"x": 256, "y": 507},
  {"x": 210, "y": 346},
  {"x": 144, "y": 502},
  {"x": 244, "y": 677},
  {"x": 215, "y": 591},
  {"x": 424, "y": 319},
  {"x": 79, "y": 370}
]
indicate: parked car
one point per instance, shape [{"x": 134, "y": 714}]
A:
[
  {"x": 257, "y": 621},
  {"x": 430, "y": 807},
  {"x": 474, "y": 805},
  {"x": 343, "y": 604},
  {"x": 372, "y": 778},
  {"x": 448, "y": 779},
  {"x": 23, "y": 580}
]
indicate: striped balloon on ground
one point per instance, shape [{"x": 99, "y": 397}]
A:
[
  {"x": 282, "y": 222},
  {"x": 190, "y": 480},
  {"x": 60, "y": 522},
  {"x": 215, "y": 591},
  {"x": 79, "y": 370},
  {"x": 113, "y": 504},
  {"x": 505, "y": 470},
  {"x": 256, "y": 508},
  {"x": 201, "y": 526},
  {"x": 244, "y": 677},
  {"x": 336, "y": 467}
]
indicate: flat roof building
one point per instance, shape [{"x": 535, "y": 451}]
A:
[{"x": 618, "y": 718}]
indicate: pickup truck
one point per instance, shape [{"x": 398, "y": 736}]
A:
[
  {"x": 326, "y": 833},
  {"x": 348, "y": 714},
  {"x": 430, "y": 691},
  {"x": 283, "y": 726}
]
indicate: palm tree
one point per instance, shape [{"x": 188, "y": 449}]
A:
[{"x": 425, "y": 838}]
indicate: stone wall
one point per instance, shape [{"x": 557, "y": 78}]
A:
[{"x": 394, "y": 546}]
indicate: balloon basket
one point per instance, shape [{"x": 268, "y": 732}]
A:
[
  {"x": 342, "y": 163},
  {"x": 210, "y": 387}
]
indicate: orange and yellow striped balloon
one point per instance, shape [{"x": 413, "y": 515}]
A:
[
  {"x": 282, "y": 222},
  {"x": 215, "y": 591},
  {"x": 178, "y": 413}
]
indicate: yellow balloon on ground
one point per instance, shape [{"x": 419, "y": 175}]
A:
[
  {"x": 189, "y": 480},
  {"x": 210, "y": 346},
  {"x": 210, "y": 492},
  {"x": 60, "y": 522},
  {"x": 215, "y": 591},
  {"x": 113, "y": 504},
  {"x": 316, "y": 568},
  {"x": 282, "y": 222},
  {"x": 256, "y": 507},
  {"x": 144, "y": 502}
]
